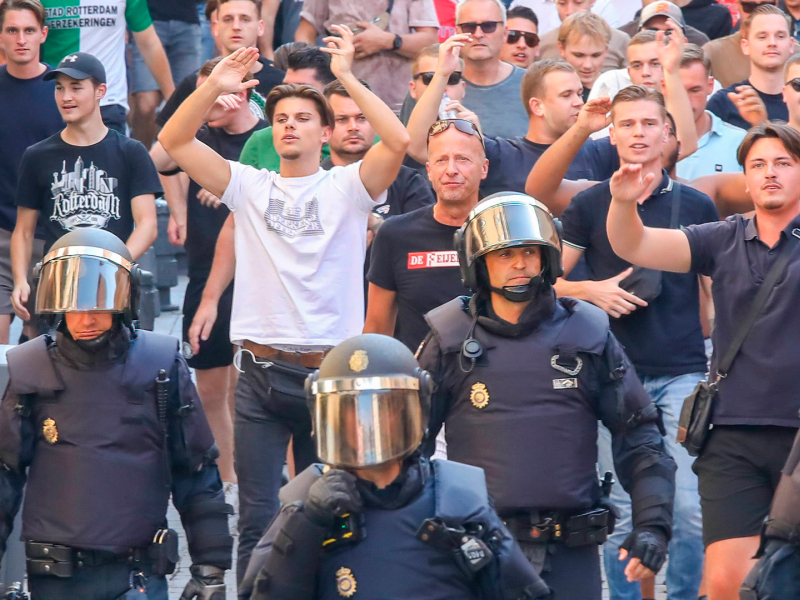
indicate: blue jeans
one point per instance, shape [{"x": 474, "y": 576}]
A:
[
  {"x": 207, "y": 48},
  {"x": 182, "y": 44},
  {"x": 685, "y": 568}
]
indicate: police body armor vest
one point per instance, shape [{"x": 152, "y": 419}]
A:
[
  {"x": 98, "y": 479},
  {"x": 526, "y": 412},
  {"x": 391, "y": 563}
]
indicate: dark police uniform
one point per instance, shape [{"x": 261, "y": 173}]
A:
[
  {"x": 100, "y": 467},
  {"x": 522, "y": 402},
  {"x": 431, "y": 533},
  {"x": 104, "y": 430},
  {"x": 397, "y": 557},
  {"x": 527, "y": 414},
  {"x": 776, "y": 576}
]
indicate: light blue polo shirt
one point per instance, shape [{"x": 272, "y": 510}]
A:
[{"x": 716, "y": 151}]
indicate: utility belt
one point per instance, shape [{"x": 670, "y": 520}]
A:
[
  {"x": 55, "y": 560},
  {"x": 581, "y": 529}
]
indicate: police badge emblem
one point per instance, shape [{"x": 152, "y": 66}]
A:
[
  {"x": 345, "y": 582},
  {"x": 50, "y": 431},
  {"x": 479, "y": 396},
  {"x": 359, "y": 361}
]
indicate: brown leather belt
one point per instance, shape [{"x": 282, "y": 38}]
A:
[{"x": 309, "y": 360}]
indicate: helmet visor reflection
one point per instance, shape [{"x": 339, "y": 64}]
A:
[
  {"x": 367, "y": 428},
  {"x": 82, "y": 283}
]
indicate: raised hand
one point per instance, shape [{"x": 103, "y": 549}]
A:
[
  {"x": 595, "y": 115},
  {"x": 670, "y": 49},
  {"x": 749, "y": 104},
  {"x": 228, "y": 74},
  {"x": 449, "y": 52},
  {"x": 628, "y": 185},
  {"x": 341, "y": 50}
]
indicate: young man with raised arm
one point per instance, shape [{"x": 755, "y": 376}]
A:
[
  {"x": 755, "y": 409},
  {"x": 300, "y": 241}
]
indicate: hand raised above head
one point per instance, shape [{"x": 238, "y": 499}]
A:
[{"x": 228, "y": 74}]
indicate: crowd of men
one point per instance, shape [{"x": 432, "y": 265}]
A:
[{"x": 320, "y": 157}]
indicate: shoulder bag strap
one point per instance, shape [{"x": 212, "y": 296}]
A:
[
  {"x": 778, "y": 267},
  {"x": 676, "y": 205}
]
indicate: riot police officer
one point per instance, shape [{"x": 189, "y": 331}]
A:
[
  {"x": 776, "y": 576},
  {"x": 521, "y": 379},
  {"x": 379, "y": 520},
  {"x": 104, "y": 422}
]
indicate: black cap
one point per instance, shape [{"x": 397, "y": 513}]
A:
[{"x": 79, "y": 65}]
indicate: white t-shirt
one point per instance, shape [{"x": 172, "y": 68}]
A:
[{"x": 300, "y": 247}]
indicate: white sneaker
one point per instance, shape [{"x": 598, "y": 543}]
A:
[{"x": 232, "y": 498}]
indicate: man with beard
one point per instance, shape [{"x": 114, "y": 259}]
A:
[{"x": 755, "y": 405}]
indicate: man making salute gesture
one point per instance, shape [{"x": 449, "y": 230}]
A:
[{"x": 300, "y": 240}]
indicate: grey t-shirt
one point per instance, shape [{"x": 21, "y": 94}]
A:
[{"x": 499, "y": 106}]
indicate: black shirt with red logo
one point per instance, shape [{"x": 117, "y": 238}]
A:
[{"x": 413, "y": 255}]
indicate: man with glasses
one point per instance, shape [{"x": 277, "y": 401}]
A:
[
  {"x": 413, "y": 265},
  {"x": 491, "y": 83},
  {"x": 522, "y": 42},
  {"x": 768, "y": 44},
  {"x": 614, "y": 57},
  {"x": 729, "y": 65},
  {"x": 423, "y": 69}
]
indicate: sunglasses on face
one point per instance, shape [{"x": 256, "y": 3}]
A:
[
  {"x": 795, "y": 83},
  {"x": 462, "y": 125},
  {"x": 531, "y": 39},
  {"x": 748, "y": 7},
  {"x": 486, "y": 26},
  {"x": 427, "y": 77}
]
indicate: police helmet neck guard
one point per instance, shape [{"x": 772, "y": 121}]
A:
[
  {"x": 369, "y": 402},
  {"x": 89, "y": 269},
  {"x": 509, "y": 220}
]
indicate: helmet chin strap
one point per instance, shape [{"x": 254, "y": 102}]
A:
[{"x": 521, "y": 293}]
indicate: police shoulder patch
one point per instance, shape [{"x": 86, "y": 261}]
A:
[{"x": 345, "y": 582}]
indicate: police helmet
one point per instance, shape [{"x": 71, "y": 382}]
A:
[
  {"x": 369, "y": 402},
  {"x": 88, "y": 269},
  {"x": 504, "y": 220}
]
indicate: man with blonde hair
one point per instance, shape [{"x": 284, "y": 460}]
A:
[{"x": 583, "y": 42}]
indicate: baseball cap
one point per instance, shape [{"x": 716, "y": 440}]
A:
[
  {"x": 661, "y": 7},
  {"x": 79, "y": 65}
]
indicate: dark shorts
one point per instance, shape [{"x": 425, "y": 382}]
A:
[
  {"x": 738, "y": 472},
  {"x": 217, "y": 350}
]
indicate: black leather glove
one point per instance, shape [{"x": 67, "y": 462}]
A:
[
  {"x": 332, "y": 495},
  {"x": 650, "y": 548},
  {"x": 613, "y": 512},
  {"x": 207, "y": 583}
]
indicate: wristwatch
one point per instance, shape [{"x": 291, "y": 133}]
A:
[{"x": 398, "y": 42}]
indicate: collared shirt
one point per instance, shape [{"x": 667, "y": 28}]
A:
[
  {"x": 716, "y": 151},
  {"x": 665, "y": 338},
  {"x": 761, "y": 386}
]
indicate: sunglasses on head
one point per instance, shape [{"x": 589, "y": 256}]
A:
[
  {"x": 748, "y": 7},
  {"x": 427, "y": 77},
  {"x": 462, "y": 125},
  {"x": 795, "y": 83},
  {"x": 531, "y": 39},
  {"x": 486, "y": 26}
]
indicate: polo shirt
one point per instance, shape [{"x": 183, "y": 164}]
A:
[
  {"x": 721, "y": 105},
  {"x": 761, "y": 386},
  {"x": 716, "y": 151},
  {"x": 664, "y": 338},
  {"x": 511, "y": 160}
]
